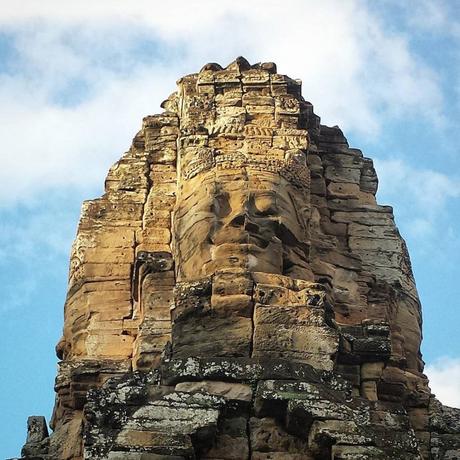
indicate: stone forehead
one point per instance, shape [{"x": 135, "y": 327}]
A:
[{"x": 292, "y": 170}]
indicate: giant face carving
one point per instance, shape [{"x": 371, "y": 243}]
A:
[{"x": 243, "y": 218}]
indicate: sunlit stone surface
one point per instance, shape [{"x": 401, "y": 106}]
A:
[{"x": 237, "y": 293}]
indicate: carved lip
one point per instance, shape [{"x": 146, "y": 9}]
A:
[
  {"x": 247, "y": 239},
  {"x": 241, "y": 248}
]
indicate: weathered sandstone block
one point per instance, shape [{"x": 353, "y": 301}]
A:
[{"x": 238, "y": 293}]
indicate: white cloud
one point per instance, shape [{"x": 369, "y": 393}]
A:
[
  {"x": 421, "y": 195},
  {"x": 353, "y": 69},
  {"x": 435, "y": 16},
  {"x": 34, "y": 248},
  {"x": 52, "y": 146},
  {"x": 430, "y": 189},
  {"x": 444, "y": 375}
]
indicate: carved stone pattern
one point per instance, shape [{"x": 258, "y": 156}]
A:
[{"x": 238, "y": 293}]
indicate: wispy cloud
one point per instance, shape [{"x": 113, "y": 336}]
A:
[
  {"x": 35, "y": 243},
  {"x": 83, "y": 75},
  {"x": 435, "y": 16},
  {"x": 76, "y": 78},
  {"x": 427, "y": 194},
  {"x": 444, "y": 375},
  {"x": 53, "y": 146}
]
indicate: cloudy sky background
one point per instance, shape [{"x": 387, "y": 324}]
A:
[{"x": 76, "y": 80}]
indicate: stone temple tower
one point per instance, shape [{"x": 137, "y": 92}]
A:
[{"x": 237, "y": 293}]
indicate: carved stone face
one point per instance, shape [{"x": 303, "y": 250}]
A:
[{"x": 241, "y": 219}]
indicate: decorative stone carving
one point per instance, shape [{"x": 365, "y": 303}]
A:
[{"x": 238, "y": 293}]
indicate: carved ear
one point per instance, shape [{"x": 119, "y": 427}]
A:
[{"x": 61, "y": 347}]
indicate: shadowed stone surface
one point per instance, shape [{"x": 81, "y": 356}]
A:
[{"x": 237, "y": 293}]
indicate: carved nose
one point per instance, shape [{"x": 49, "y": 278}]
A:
[{"x": 242, "y": 221}]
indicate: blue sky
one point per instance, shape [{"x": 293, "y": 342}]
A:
[{"x": 76, "y": 80}]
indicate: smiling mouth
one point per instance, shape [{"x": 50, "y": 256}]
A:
[
  {"x": 242, "y": 249},
  {"x": 247, "y": 239}
]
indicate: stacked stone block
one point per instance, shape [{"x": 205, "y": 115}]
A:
[{"x": 237, "y": 292}]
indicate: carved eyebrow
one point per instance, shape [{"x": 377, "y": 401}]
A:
[{"x": 257, "y": 193}]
